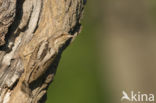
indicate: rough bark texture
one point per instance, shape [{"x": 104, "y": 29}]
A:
[{"x": 33, "y": 34}]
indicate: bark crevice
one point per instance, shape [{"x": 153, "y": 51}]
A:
[{"x": 36, "y": 36}]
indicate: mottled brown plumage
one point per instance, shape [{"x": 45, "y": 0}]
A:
[{"x": 38, "y": 34}]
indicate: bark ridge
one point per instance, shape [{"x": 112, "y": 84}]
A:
[{"x": 33, "y": 34}]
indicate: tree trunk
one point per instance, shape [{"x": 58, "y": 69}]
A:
[{"x": 33, "y": 34}]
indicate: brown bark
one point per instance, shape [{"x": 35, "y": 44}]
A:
[{"x": 33, "y": 34}]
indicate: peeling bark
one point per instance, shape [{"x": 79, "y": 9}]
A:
[{"x": 33, "y": 34}]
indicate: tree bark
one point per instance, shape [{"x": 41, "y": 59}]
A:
[{"x": 33, "y": 34}]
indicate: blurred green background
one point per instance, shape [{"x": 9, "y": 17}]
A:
[
  {"x": 77, "y": 79},
  {"x": 115, "y": 51}
]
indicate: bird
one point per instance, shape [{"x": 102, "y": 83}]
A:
[{"x": 125, "y": 96}]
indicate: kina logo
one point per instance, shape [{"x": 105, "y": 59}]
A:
[{"x": 137, "y": 97}]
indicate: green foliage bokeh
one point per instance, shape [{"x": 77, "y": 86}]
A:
[{"x": 77, "y": 80}]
